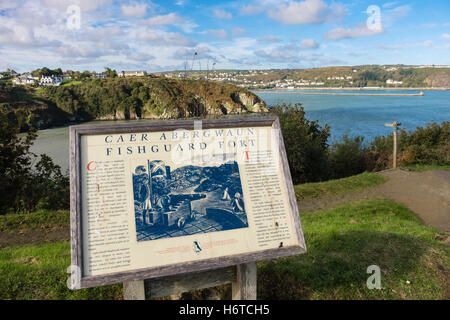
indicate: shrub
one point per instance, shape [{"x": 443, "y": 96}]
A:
[
  {"x": 24, "y": 187},
  {"x": 347, "y": 158},
  {"x": 426, "y": 145},
  {"x": 305, "y": 142}
]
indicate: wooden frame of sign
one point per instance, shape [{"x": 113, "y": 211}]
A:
[{"x": 82, "y": 222}]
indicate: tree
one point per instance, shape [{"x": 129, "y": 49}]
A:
[
  {"x": 15, "y": 164},
  {"x": 24, "y": 187},
  {"x": 110, "y": 73},
  {"x": 305, "y": 142}
]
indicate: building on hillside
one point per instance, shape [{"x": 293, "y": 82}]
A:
[
  {"x": 10, "y": 73},
  {"x": 50, "y": 81},
  {"x": 139, "y": 73},
  {"x": 390, "y": 81},
  {"x": 66, "y": 77},
  {"x": 25, "y": 79},
  {"x": 99, "y": 76}
]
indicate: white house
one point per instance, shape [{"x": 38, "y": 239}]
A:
[
  {"x": 99, "y": 76},
  {"x": 50, "y": 81},
  {"x": 24, "y": 79},
  {"x": 132, "y": 73},
  {"x": 390, "y": 81}
]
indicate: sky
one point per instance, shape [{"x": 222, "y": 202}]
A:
[{"x": 256, "y": 34}]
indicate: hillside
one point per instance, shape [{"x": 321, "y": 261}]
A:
[
  {"x": 388, "y": 76},
  {"x": 122, "y": 98}
]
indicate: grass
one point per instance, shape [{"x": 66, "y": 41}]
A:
[
  {"x": 43, "y": 219},
  {"x": 364, "y": 180},
  {"x": 39, "y": 272},
  {"x": 341, "y": 244},
  {"x": 425, "y": 167},
  {"x": 344, "y": 241},
  {"x": 67, "y": 83}
]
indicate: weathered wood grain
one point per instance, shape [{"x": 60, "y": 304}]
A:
[
  {"x": 189, "y": 282},
  {"x": 244, "y": 287},
  {"x": 134, "y": 290},
  {"x": 284, "y": 164},
  {"x": 175, "y": 269}
]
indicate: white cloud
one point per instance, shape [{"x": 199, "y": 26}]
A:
[
  {"x": 140, "y": 56},
  {"x": 270, "y": 38},
  {"x": 170, "y": 18},
  {"x": 359, "y": 31},
  {"x": 389, "y": 47},
  {"x": 200, "y": 53},
  {"x": 134, "y": 9},
  {"x": 389, "y": 4},
  {"x": 446, "y": 36},
  {"x": 24, "y": 37},
  {"x": 236, "y": 32},
  {"x": 388, "y": 17},
  {"x": 306, "y": 44},
  {"x": 249, "y": 10},
  {"x": 219, "y": 33},
  {"x": 222, "y": 14},
  {"x": 161, "y": 38},
  {"x": 284, "y": 53},
  {"x": 84, "y": 5},
  {"x": 430, "y": 25},
  {"x": 307, "y": 12},
  {"x": 423, "y": 44},
  {"x": 80, "y": 52}
]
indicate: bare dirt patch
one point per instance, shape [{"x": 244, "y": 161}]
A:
[
  {"x": 425, "y": 193},
  {"x": 33, "y": 237}
]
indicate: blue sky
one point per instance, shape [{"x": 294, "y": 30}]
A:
[{"x": 255, "y": 34}]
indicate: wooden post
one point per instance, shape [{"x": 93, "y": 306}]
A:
[
  {"x": 134, "y": 290},
  {"x": 395, "y": 146},
  {"x": 244, "y": 287},
  {"x": 242, "y": 278},
  {"x": 394, "y": 126}
]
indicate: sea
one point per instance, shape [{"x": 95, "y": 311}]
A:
[{"x": 353, "y": 115}]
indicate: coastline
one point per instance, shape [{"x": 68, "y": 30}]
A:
[
  {"x": 345, "y": 93},
  {"x": 352, "y": 89}
]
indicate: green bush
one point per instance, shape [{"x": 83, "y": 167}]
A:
[
  {"x": 24, "y": 186},
  {"x": 429, "y": 145},
  {"x": 305, "y": 142},
  {"x": 347, "y": 158},
  {"x": 311, "y": 159}
]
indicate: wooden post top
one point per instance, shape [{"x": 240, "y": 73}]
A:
[{"x": 393, "y": 124}]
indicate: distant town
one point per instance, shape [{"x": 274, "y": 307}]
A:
[{"x": 370, "y": 76}]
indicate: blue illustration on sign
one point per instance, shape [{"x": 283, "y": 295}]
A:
[{"x": 188, "y": 200}]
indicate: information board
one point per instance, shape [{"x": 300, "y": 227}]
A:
[{"x": 154, "y": 199}]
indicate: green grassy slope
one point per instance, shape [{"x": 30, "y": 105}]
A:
[
  {"x": 341, "y": 244},
  {"x": 361, "y": 181}
]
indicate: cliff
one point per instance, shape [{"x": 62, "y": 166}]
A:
[
  {"x": 152, "y": 98},
  {"x": 123, "y": 99},
  {"x": 439, "y": 79}
]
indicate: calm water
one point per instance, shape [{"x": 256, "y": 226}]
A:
[
  {"x": 366, "y": 115},
  {"x": 352, "y": 115}
]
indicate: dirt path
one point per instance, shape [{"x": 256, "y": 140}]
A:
[
  {"x": 425, "y": 193},
  {"x": 8, "y": 239}
]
